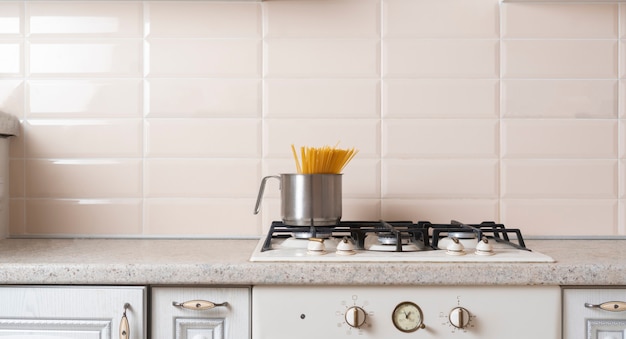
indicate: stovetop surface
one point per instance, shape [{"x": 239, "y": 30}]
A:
[{"x": 405, "y": 241}]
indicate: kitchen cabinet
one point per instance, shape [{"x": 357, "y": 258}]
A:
[
  {"x": 200, "y": 312},
  {"x": 594, "y": 312},
  {"x": 73, "y": 312}
]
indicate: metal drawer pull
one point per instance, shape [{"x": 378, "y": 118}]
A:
[
  {"x": 613, "y": 306},
  {"x": 198, "y": 304},
  {"x": 124, "y": 326}
]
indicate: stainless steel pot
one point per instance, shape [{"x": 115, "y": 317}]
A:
[{"x": 307, "y": 199}]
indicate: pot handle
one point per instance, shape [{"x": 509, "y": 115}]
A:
[{"x": 257, "y": 208}]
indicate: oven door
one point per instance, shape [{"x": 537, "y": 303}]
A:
[{"x": 594, "y": 313}]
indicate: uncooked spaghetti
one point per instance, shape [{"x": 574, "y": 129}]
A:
[{"x": 322, "y": 160}]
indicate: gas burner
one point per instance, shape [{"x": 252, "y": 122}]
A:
[
  {"x": 388, "y": 238},
  {"x": 378, "y": 247},
  {"x": 462, "y": 235},
  {"x": 469, "y": 234},
  {"x": 388, "y": 242},
  {"x": 398, "y": 235},
  {"x": 319, "y": 234}
]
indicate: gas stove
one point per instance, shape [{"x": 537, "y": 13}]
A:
[{"x": 395, "y": 241}]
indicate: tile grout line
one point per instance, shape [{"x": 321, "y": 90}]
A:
[
  {"x": 500, "y": 114},
  {"x": 380, "y": 108},
  {"x": 618, "y": 214},
  {"x": 24, "y": 109},
  {"x": 145, "y": 54},
  {"x": 259, "y": 226}
]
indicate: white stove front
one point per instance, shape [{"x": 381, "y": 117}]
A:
[{"x": 428, "y": 312}]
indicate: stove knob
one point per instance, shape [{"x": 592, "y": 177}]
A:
[
  {"x": 459, "y": 317},
  {"x": 355, "y": 316},
  {"x": 345, "y": 247},
  {"x": 484, "y": 247},
  {"x": 455, "y": 247}
]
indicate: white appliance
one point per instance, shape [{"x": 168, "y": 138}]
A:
[
  {"x": 485, "y": 312},
  {"x": 514, "y": 312}
]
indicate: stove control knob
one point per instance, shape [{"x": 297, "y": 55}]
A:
[
  {"x": 455, "y": 247},
  {"x": 459, "y": 317},
  {"x": 355, "y": 316}
]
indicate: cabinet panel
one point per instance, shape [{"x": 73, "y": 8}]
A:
[
  {"x": 71, "y": 312},
  {"x": 192, "y": 328},
  {"x": 198, "y": 319},
  {"x": 67, "y": 329}
]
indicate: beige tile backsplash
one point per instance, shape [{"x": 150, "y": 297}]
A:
[
  {"x": 159, "y": 118},
  {"x": 560, "y": 21}
]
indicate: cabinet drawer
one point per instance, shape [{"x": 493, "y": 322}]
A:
[
  {"x": 71, "y": 311},
  {"x": 187, "y": 313}
]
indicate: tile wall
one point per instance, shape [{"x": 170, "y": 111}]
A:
[{"x": 159, "y": 119}]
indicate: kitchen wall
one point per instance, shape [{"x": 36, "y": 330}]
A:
[{"x": 157, "y": 118}]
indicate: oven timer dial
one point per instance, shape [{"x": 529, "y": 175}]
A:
[
  {"x": 459, "y": 317},
  {"x": 408, "y": 317}
]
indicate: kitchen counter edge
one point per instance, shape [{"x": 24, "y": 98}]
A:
[{"x": 226, "y": 262}]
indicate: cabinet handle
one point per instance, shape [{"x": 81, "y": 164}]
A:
[
  {"x": 124, "y": 326},
  {"x": 199, "y": 305},
  {"x": 612, "y": 306}
]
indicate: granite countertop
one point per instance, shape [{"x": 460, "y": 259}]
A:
[{"x": 225, "y": 262}]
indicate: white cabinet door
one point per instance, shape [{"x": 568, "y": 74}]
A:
[
  {"x": 68, "y": 312},
  {"x": 594, "y": 313},
  {"x": 188, "y": 313}
]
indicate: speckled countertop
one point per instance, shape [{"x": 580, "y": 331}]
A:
[{"x": 225, "y": 262}]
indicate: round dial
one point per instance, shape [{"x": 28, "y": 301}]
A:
[
  {"x": 407, "y": 317},
  {"x": 459, "y": 317},
  {"x": 355, "y": 316}
]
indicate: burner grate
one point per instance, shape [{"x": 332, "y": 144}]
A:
[
  {"x": 488, "y": 229},
  {"x": 423, "y": 233},
  {"x": 357, "y": 230}
]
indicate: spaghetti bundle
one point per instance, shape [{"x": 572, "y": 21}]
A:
[{"x": 322, "y": 160}]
